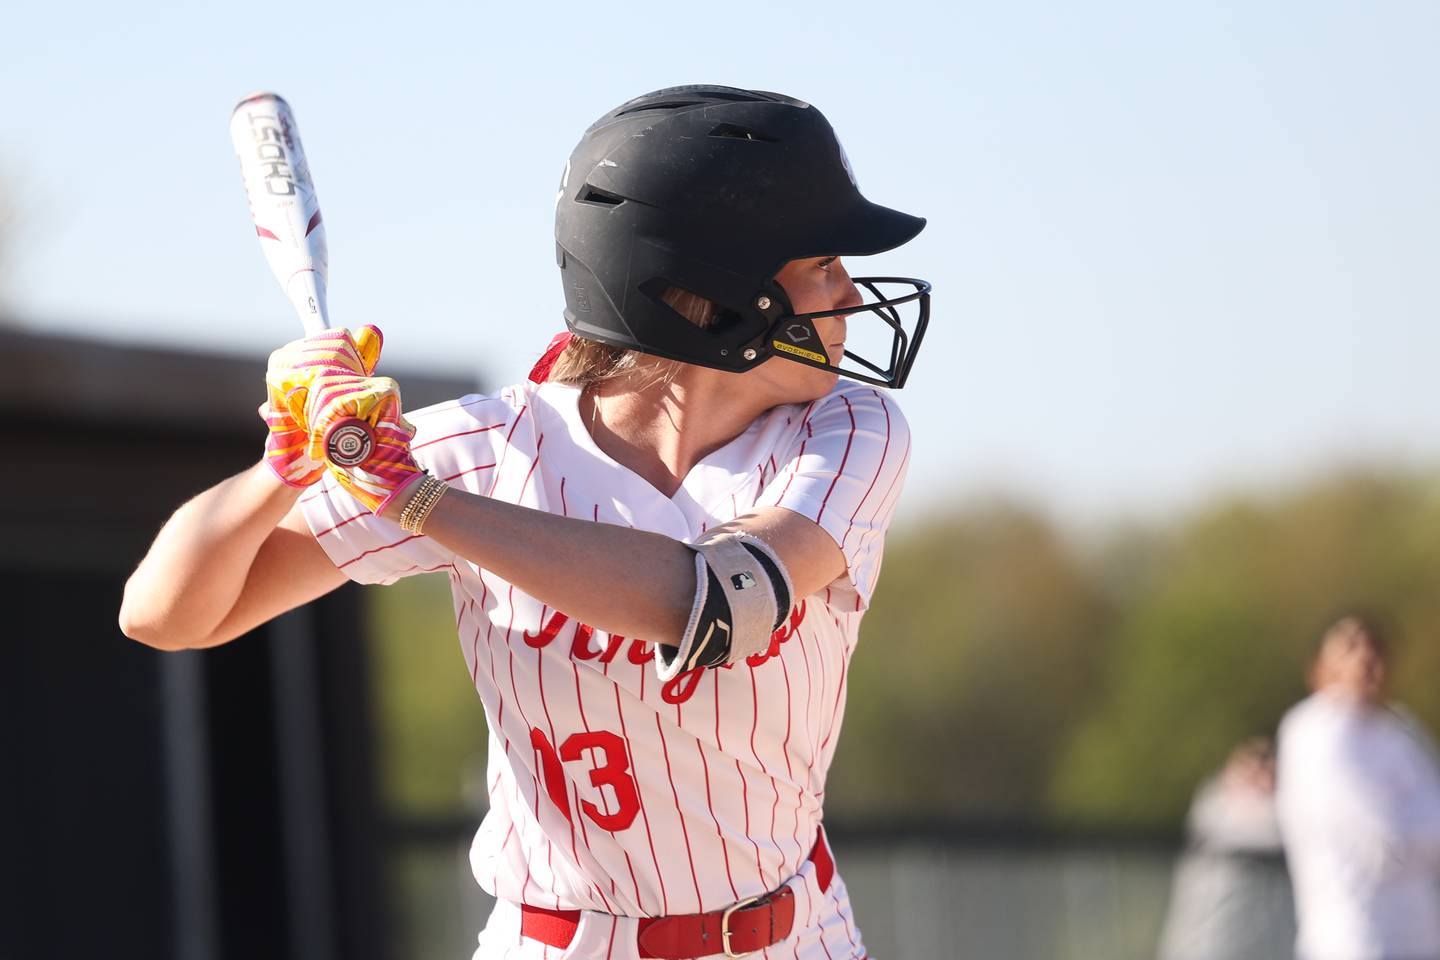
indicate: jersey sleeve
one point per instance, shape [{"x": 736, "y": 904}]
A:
[
  {"x": 844, "y": 471},
  {"x": 362, "y": 546},
  {"x": 455, "y": 442}
]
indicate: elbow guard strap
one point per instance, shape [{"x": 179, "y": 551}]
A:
[{"x": 742, "y": 596}]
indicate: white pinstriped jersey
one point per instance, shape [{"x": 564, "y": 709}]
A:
[{"x": 609, "y": 790}]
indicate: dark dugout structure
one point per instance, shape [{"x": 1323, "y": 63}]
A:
[{"x": 194, "y": 806}]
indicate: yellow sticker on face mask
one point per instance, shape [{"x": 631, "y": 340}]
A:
[{"x": 784, "y": 347}]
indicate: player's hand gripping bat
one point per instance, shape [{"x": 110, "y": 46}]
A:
[{"x": 292, "y": 235}]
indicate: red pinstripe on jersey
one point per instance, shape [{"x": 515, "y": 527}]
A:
[
  {"x": 416, "y": 447},
  {"x": 710, "y": 802},
  {"x": 789, "y": 768},
  {"x": 452, "y": 477},
  {"x": 774, "y": 786},
  {"x": 645, "y": 816},
  {"x": 336, "y": 526},
  {"x": 530, "y": 768},
  {"x": 680, "y": 815},
  {"x": 374, "y": 550},
  {"x": 795, "y": 466},
  {"x": 808, "y": 714},
  {"x": 844, "y": 458},
  {"x": 884, "y": 450},
  {"x": 839, "y": 698},
  {"x": 557, "y": 834}
]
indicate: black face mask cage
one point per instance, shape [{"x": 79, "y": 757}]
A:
[{"x": 903, "y": 346}]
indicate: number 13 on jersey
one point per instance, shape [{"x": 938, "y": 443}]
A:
[{"x": 613, "y": 772}]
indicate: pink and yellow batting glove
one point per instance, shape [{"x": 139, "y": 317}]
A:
[
  {"x": 288, "y": 377},
  {"x": 389, "y": 470}
]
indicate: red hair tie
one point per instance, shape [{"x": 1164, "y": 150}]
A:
[{"x": 541, "y": 371}]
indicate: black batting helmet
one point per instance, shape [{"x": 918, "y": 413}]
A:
[{"x": 712, "y": 190}]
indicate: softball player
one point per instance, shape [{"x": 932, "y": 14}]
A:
[{"x": 660, "y": 545}]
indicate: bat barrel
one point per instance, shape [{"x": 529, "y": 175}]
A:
[{"x": 283, "y": 204}]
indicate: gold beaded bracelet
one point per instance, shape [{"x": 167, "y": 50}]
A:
[
  {"x": 419, "y": 505},
  {"x": 423, "y": 514},
  {"x": 408, "y": 511},
  {"x": 417, "y": 508}
]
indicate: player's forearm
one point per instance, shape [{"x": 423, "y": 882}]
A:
[
  {"x": 194, "y": 571},
  {"x": 617, "y": 579}
]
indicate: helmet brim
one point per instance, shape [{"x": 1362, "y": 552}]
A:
[{"x": 870, "y": 228}]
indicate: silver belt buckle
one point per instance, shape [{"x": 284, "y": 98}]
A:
[{"x": 725, "y": 924}]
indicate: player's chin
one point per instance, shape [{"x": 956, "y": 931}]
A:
[
  {"x": 791, "y": 382},
  {"x": 813, "y": 384}
]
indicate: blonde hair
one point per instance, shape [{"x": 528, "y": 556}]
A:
[{"x": 585, "y": 361}]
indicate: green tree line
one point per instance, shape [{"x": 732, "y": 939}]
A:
[{"x": 1011, "y": 672}]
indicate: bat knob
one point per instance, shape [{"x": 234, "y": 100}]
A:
[{"x": 349, "y": 443}]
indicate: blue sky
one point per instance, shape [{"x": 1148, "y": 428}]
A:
[{"x": 1176, "y": 247}]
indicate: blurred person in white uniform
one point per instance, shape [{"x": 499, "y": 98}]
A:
[
  {"x": 1359, "y": 805},
  {"x": 1230, "y": 898}
]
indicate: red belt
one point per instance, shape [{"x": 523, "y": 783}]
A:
[{"x": 741, "y": 928}]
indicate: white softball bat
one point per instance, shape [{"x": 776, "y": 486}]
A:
[
  {"x": 287, "y": 220},
  {"x": 283, "y": 203}
]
